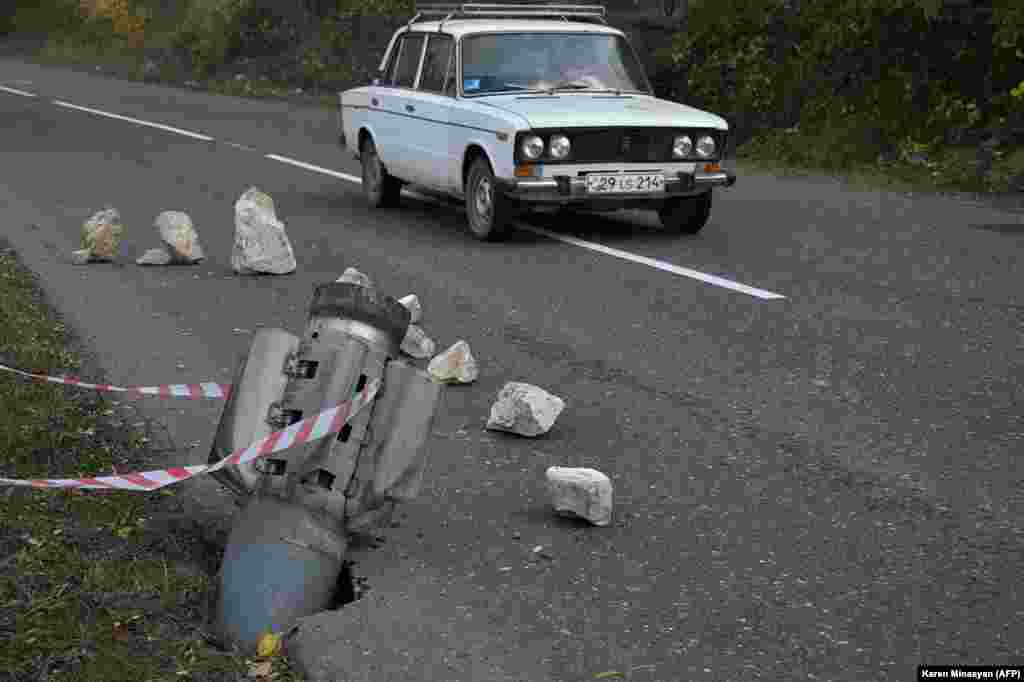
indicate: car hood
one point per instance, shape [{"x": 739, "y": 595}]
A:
[{"x": 581, "y": 110}]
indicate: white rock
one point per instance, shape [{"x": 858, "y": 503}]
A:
[
  {"x": 353, "y": 276},
  {"x": 455, "y": 365},
  {"x": 581, "y": 492},
  {"x": 417, "y": 344},
  {"x": 101, "y": 235},
  {"x": 412, "y": 302},
  {"x": 159, "y": 256},
  {"x": 524, "y": 409},
  {"x": 179, "y": 235},
  {"x": 261, "y": 245}
]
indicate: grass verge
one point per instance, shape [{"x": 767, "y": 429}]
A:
[
  {"x": 951, "y": 170},
  {"x": 98, "y": 587}
]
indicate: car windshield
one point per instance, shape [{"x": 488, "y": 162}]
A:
[{"x": 513, "y": 62}]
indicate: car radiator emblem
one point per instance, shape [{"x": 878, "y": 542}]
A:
[{"x": 627, "y": 142}]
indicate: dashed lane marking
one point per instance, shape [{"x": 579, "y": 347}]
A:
[{"x": 137, "y": 121}]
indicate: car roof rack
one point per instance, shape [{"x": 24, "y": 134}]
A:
[{"x": 483, "y": 10}]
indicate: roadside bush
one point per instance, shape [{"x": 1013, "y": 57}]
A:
[
  {"x": 210, "y": 31},
  {"x": 43, "y": 17},
  {"x": 863, "y": 78},
  {"x": 114, "y": 17}
]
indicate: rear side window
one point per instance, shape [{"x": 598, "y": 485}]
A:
[
  {"x": 435, "y": 63},
  {"x": 408, "y": 62}
]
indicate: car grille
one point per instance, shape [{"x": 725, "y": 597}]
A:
[{"x": 630, "y": 145}]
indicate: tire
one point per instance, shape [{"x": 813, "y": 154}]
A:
[
  {"x": 686, "y": 215},
  {"x": 380, "y": 188},
  {"x": 488, "y": 212}
]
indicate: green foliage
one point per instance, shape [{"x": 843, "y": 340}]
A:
[
  {"x": 862, "y": 77},
  {"x": 370, "y": 8},
  {"x": 211, "y": 30},
  {"x": 42, "y": 17}
]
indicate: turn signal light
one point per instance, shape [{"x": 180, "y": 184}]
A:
[
  {"x": 526, "y": 171},
  {"x": 712, "y": 168}
]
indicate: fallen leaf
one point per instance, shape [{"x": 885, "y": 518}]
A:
[
  {"x": 261, "y": 669},
  {"x": 120, "y": 632},
  {"x": 269, "y": 645}
]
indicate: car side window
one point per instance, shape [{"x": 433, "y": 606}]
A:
[
  {"x": 408, "y": 62},
  {"x": 435, "y": 63}
]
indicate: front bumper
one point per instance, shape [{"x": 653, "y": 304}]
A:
[{"x": 566, "y": 189}]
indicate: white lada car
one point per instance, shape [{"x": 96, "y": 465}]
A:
[{"x": 513, "y": 107}]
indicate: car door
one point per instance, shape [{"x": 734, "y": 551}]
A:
[
  {"x": 429, "y": 107},
  {"x": 394, "y": 108}
]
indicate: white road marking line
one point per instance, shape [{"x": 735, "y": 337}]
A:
[
  {"x": 239, "y": 146},
  {"x": 600, "y": 248},
  {"x": 315, "y": 169},
  {"x": 656, "y": 264},
  {"x": 15, "y": 91},
  {"x": 119, "y": 117},
  {"x": 632, "y": 257}
]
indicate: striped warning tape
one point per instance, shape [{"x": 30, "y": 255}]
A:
[
  {"x": 206, "y": 389},
  {"x": 312, "y": 428}
]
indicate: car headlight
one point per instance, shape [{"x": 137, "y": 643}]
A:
[
  {"x": 682, "y": 146},
  {"x": 706, "y": 146},
  {"x": 532, "y": 147},
  {"x": 558, "y": 146}
]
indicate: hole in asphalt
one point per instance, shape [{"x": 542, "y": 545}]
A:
[{"x": 349, "y": 588}]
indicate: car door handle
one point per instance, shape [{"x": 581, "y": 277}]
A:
[{"x": 410, "y": 108}]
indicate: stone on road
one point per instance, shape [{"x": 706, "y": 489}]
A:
[
  {"x": 157, "y": 256},
  {"x": 417, "y": 344},
  {"x": 101, "y": 237},
  {"x": 524, "y": 409},
  {"x": 179, "y": 235},
  {"x": 455, "y": 365},
  {"x": 581, "y": 492},
  {"x": 412, "y": 302},
  {"x": 353, "y": 276},
  {"x": 261, "y": 245}
]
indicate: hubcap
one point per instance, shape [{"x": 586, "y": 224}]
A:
[{"x": 484, "y": 199}]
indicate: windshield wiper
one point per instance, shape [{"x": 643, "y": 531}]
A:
[{"x": 568, "y": 85}]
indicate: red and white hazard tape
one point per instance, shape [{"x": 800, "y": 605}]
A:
[
  {"x": 207, "y": 389},
  {"x": 313, "y": 428}
]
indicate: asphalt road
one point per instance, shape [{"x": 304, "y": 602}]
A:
[{"x": 821, "y": 486}]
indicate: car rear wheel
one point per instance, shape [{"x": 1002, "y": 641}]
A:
[
  {"x": 686, "y": 215},
  {"x": 380, "y": 187},
  {"x": 488, "y": 211}
]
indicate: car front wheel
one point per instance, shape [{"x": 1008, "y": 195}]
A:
[
  {"x": 487, "y": 210},
  {"x": 686, "y": 215},
  {"x": 380, "y": 187}
]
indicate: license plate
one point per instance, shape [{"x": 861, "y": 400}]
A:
[{"x": 613, "y": 183}]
